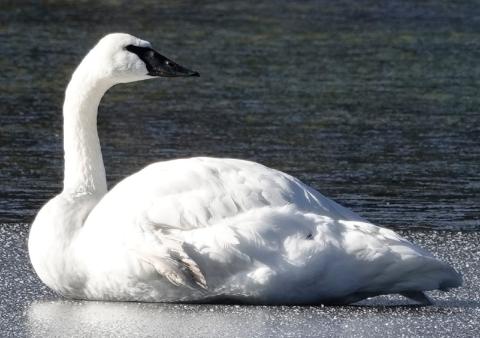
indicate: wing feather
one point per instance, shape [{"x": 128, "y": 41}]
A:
[{"x": 177, "y": 215}]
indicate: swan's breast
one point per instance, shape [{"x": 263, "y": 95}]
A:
[{"x": 52, "y": 241}]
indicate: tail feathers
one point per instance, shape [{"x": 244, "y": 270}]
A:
[
  {"x": 420, "y": 273},
  {"x": 417, "y": 296},
  {"x": 443, "y": 276},
  {"x": 455, "y": 280}
]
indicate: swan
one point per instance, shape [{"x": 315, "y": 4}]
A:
[{"x": 204, "y": 229}]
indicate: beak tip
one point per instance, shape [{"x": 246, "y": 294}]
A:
[{"x": 196, "y": 74}]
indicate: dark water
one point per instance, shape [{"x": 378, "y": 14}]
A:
[{"x": 375, "y": 104}]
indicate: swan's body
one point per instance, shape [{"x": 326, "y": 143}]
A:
[{"x": 205, "y": 229}]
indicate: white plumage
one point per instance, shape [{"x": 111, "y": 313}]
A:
[{"x": 205, "y": 229}]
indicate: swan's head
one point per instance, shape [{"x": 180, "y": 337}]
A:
[{"x": 124, "y": 58}]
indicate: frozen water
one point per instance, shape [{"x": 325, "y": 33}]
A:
[{"x": 29, "y": 309}]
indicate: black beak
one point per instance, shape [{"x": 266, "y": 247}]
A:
[{"x": 159, "y": 65}]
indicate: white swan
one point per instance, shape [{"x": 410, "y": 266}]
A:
[{"x": 204, "y": 229}]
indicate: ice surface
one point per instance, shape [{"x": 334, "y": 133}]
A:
[{"x": 29, "y": 309}]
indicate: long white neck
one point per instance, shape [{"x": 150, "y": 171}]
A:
[{"x": 84, "y": 169}]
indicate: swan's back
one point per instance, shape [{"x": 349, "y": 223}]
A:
[{"x": 200, "y": 192}]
